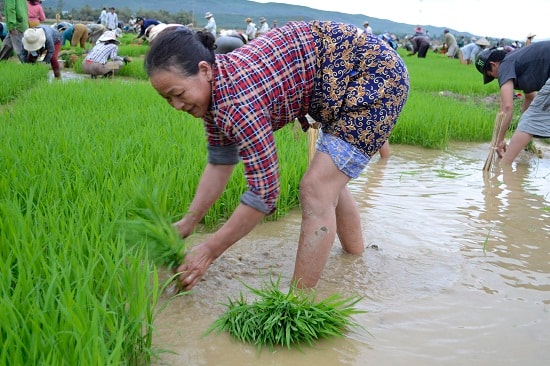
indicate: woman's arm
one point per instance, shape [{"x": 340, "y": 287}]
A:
[{"x": 211, "y": 185}]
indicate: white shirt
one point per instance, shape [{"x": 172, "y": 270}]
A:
[
  {"x": 264, "y": 28},
  {"x": 251, "y": 31},
  {"x": 211, "y": 26},
  {"x": 112, "y": 21}
]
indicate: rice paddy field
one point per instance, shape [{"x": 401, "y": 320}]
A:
[{"x": 79, "y": 157}]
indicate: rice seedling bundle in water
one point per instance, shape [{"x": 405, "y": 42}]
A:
[{"x": 286, "y": 319}]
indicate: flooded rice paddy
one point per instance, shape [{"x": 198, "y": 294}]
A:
[{"x": 457, "y": 271}]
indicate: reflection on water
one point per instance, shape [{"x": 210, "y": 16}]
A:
[{"x": 457, "y": 270}]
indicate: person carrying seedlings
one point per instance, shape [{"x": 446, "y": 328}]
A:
[
  {"x": 42, "y": 44},
  {"x": 352, "y": 83},
  {"x": 527, "y": 69},
  {"x": 103, "y": 59}
]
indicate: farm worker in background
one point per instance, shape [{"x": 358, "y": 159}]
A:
[
  {"x": 250, "y": 29},
  {"x": 103, "y": 59},
  {"x": 420, "y": 43},
  {"x": 450, "y": 43},
  {"x": 103, "y": 17},
  {"x": 95, "y": 31},
  {"x": 76, "y": 34},
  {"x": 17, "y": 21},
  {"x": 275, "y": 23},
  {"x": 211, "y": 24},
  {"x": 42, "y": 44},
  {"x": 527, "y": 69},
  {"x": 529, "y": 39},
  {"x": 35, "y": 13},
  {"x": 111, "y": 19},
  {"x": 264, "y": 27},
  {"x": 468, "y": 53},
  {"x": 366, "y": 27},
  {"x": 353, "y": 84},
  {"x": 145, "y": 24}
]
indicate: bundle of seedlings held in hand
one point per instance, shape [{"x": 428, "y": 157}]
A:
[
  {"x": 286, "y": 319},
  {"x": 147, "y": 225}
]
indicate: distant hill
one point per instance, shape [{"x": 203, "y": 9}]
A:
[{"x": 230, "y": 14}]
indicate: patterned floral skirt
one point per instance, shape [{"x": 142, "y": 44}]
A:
[{"x": 360, "y": 89}]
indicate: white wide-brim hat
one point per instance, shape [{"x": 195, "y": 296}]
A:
[
  {"x": 155, "y": 31},
  {"x": 109, "y": 36},
  {"x": 34, "y": 39},
  {"x": 208, "y": 15},
  {"x": 483, "y": 42}
]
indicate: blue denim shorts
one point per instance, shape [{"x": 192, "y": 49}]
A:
[{"x": 347, "y": 158}]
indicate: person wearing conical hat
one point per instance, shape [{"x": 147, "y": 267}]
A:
[
  {"x": 469, "y": 52},
  {"x": 42, "y": 44}
]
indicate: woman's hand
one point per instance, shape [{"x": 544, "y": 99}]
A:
[
  {"x": 195, "y": 266},
  {"x": 184, "y": 227}
]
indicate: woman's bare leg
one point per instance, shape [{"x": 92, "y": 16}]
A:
[
  {"x": 348, "y": 223},
  {"x": 319, "y": 191}
]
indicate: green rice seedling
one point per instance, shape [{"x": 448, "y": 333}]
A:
[
  {"x": 18, "y": 78},
  {"x": 149, "y": 225},
  {"x": 289, "y": 319}
]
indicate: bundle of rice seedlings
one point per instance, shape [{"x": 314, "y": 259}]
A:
[
  {"x": 147, "y": 225},
  {"x": 494, "y": 141},
  {"x": 286, "y": 319}
]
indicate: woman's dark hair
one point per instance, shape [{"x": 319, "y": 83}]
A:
[{"x": 180, "y": 48}]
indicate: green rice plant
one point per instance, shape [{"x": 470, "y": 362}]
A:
[
  {"x": 149, "y": 226},
  {"x": 18, "y": 78},
  {"x": 133, "y": 50},
  {"x": 133, "y": 69},
  {"x": 289, "y": 319}
]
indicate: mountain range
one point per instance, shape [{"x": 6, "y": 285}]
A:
[{"x": 231, "y": 14}]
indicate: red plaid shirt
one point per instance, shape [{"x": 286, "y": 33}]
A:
[{"x": 258, "y": 89}]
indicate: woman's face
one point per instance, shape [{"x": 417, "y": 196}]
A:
[{"x": 191, "y": 94}]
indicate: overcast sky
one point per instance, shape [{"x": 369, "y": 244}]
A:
[{"x": 497, "y": 19}]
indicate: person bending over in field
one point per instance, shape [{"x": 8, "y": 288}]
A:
[
  {"x": 42, "y": 44},
  {"x": 526, "y": 69},
  {"x": 352, "y": 83}
]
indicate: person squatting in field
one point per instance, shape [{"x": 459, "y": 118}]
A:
[
  {"x": 527, "y": 69},
  {"x": 354, "y": 84},
  {"x": 103, "y": 59}
]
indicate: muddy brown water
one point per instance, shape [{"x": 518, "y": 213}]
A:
[{"x": 457, "y": 271}]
